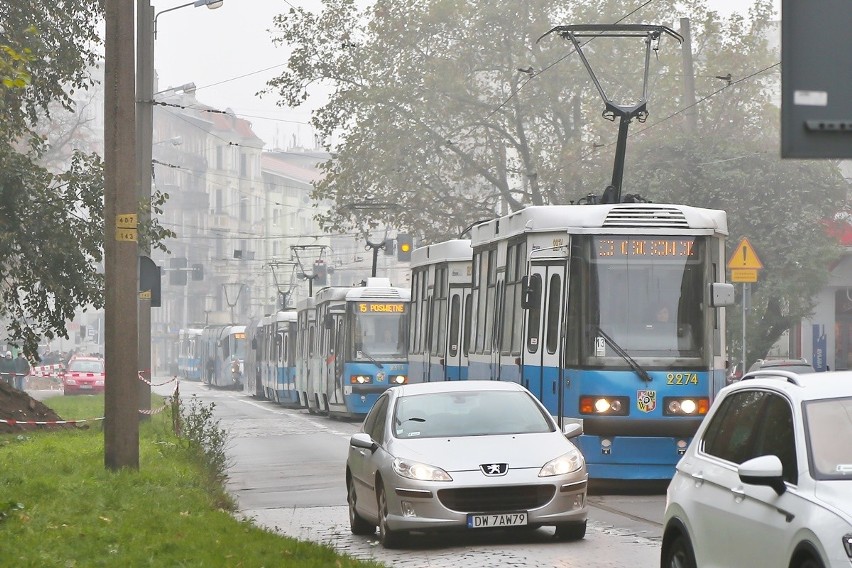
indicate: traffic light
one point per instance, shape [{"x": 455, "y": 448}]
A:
[
  {"x": 404, "y": 246},
  {"x": 177, "y": 271},
  {"x": 320, "y": 273}
]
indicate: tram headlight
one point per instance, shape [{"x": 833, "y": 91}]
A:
[
  {"x": 360, "y": 379},
  {"x": 603, "y": 405},
  {"x": 685, "y": 406},
  {"x": 398, "y": 379}
]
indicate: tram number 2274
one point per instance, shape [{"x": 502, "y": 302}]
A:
[{"x": 681, "y": 379}]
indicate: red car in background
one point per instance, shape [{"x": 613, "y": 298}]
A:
[{"x": 84, "y": 375}]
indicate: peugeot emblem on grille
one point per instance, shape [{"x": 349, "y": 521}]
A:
[{"x": 494, "y": 469}]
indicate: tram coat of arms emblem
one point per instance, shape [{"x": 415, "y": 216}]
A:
[{"x": 646, "y": 400}]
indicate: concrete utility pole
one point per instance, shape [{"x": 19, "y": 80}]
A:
[
  {"x": 121, "y": 424},
  {"x": 144, "y": 131}
]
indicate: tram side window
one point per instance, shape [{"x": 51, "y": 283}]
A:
[
  {"x": 511, "y": 339},
  {"x": 479, "y": 310},
  {"x": 468, "y": 315},
  {"x": 534, "y": 315},
  {"x": 414, "y": 328},
  {"x": 491, "y": 306},
  {"x": 439, "y": 304},
  {"x": 554, "y": 295},
  {"x": 455, "y": 305}
]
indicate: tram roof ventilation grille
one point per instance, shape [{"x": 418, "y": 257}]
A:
[
  {"x": 382, "y": 294},
  {"x": 650, "y": 216}
]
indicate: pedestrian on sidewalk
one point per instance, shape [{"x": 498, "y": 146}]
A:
[
  {"x": 22, "y": 369},
  {"x": 7, "y": 369}
]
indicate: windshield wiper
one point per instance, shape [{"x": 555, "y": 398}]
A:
[
  {"x": 370, "y": 357},
  {"x": 643, "y": 374}
]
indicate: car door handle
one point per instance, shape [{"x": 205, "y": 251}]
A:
[
  {"x": 697, "y": 477},
  {"x": 738, "y": 492}
]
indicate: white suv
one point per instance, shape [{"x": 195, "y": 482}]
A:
[{"x": 767, "y": 479}]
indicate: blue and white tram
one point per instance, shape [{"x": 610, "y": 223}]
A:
[
  {"x": 252, "y": 383},
  {"x": 359, "y": 348},
  {"x": 279, "y": 374},
  {"x": 306, "y": 329},
  {"x": 440, "y": 304},
  {"x": 223, "y": 351},
  {"x": 607, "y": 313},
  {"x": 189, "y": 358}
]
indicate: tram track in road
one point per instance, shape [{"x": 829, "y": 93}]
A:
[{"x": 595, "y": 502}]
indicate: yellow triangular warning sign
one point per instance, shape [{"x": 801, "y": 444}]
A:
[{"x": 744, "y": 256}]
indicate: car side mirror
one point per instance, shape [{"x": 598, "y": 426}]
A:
[
  {"x": 572, "y": 430},
  {"x": 363, "y": 440},
  {"x": 763, "y": 470}
]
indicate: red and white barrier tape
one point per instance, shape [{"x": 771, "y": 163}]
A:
[
  {"x": 47, "y": 422},
  {"x": 46, "y": 370},
  {"x": 12, "y": 422},
  {"x": 142, "y": 378}
]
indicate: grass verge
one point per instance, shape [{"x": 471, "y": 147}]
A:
[{"x": 60, "y": 506}]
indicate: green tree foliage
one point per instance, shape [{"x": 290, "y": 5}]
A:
[
  {"x": 51, "y": 222},
  {"x": 455, "y": 110}
]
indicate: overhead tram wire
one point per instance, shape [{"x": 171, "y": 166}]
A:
[
  {"x": 676, "y": 113},
  {"x": 535, "y": 74}
]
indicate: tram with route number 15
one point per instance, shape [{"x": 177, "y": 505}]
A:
[{"x": 353, "y": 346}]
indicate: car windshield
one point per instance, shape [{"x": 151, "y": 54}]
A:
[
  {"x": 829, "y": 428},
  {"x": 84, "y": 366},
  {"x": 470, "y": 413}
]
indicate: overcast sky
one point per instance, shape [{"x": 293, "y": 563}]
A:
[{"x": 228, "y": 54}]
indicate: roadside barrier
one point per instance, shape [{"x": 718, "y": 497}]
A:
[{"x": 167, "y": 403}]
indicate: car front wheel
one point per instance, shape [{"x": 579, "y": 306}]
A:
[
  {"x": 678, "y": 554},
  {"x": 388, "y": 537},
  {"x": 357, "y": 523}
]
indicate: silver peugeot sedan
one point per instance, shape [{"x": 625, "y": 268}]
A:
[{"x": 463, "y": 455}]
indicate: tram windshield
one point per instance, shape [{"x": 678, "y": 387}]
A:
[
  {"x": 237, "y": 346},
  {"x": 645, "y": 293},
  {"x": 380, "y": 331}
]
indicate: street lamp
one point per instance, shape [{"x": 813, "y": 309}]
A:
[
  {"x": 146, "y": 33},
  {"x": 212, "y": 4}
]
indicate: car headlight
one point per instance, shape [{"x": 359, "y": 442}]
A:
[
  {"x": 360, "y": 379},
  {"x": 566, "y": 463},
  {"x": 419, "y": 471},
  {"x": 399, "y": 379},
  {"x": 847, "y": 545}
]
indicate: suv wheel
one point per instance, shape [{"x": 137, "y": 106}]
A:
[{"x": 678, "y": 554}]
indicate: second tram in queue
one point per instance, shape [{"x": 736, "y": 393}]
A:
[
  {"x": 440, "y": 305},
  {"x": 353, "y": 346},
  {"x": 608, "y": 314}
]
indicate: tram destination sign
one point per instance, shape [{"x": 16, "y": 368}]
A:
[
  {"x": 381, "y": 307},
  {"x": 633, "y": 247}
]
